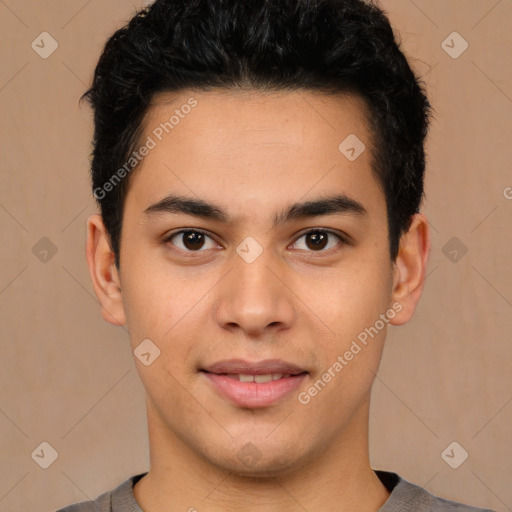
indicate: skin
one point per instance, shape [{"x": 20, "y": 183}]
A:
[{"x": 253, "y": 154}]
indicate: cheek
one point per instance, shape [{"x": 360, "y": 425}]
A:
[
  {"x": 352, "y": 298},
  {"x": 167, "y": 309},
  {"x": 351, "y": 359},
  {"x": 353, "y": 305},
  {"x": 149, "y": 299}
]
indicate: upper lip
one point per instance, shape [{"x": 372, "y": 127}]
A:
[{"x": 265, "y": 367}]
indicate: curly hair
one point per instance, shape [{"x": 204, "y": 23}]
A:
[{"x": 331, "y": 46}]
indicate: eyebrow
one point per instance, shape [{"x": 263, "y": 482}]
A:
[{"x": 337, "y": 204}]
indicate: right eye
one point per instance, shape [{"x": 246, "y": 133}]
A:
[{"x": 190, "y": 240}]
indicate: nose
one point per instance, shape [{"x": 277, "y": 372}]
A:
[{"x": 255, "y": 298}]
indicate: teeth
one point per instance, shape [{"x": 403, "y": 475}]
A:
[{"x": 260, "y": 379}]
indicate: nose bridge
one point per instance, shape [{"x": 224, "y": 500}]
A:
[{"x": 252, "y": 297}]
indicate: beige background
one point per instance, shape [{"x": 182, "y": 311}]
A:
[{"x": 68, "y": 378}]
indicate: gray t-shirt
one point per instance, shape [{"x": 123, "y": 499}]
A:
[{"x": 405, "y": 497}]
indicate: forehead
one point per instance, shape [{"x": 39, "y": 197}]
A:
[
  {"x": 279, "y": 117},
  {"x": 260, "y": 145}
]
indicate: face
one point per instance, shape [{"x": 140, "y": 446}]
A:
[{"x": 252, "y": 245}]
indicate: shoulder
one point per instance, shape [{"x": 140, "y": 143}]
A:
[
  {"x": 119, "y": 499},
  {"x": 406, "y": 496},
  {"x": 102, "y": 503}
]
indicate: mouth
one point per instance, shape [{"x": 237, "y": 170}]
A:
[
  {"x": 259, "y": 379},
  {"x": 254, "y": 385}
]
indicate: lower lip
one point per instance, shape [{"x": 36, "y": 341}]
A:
[{"x": 253, "y": 394}]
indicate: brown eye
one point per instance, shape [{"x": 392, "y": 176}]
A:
[
  {"x": 190, "y": 240},
  {"x": 316, "y": 240}
]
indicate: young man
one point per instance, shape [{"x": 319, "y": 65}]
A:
[{"x": 259, "y": 168}]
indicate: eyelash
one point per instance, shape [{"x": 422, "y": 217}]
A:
[{"x": 342, "y": 239}]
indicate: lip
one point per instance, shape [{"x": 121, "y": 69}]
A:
[
  {"x": 253, "y": 394},
  {"x": 254, "y": 368}
]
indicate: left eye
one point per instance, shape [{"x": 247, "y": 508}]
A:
[{"x": 317, "y": 239}]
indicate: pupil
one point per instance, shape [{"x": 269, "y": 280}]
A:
[
  {"x": 193, "y": 239},
  {"x": 318, "y": 238}
]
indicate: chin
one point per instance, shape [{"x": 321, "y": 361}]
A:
[{"x": 262, "y": 461}]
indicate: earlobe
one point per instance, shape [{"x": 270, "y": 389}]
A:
[
  {"x": 103, "y": 271},
  {"x": 410, "y": 268}
]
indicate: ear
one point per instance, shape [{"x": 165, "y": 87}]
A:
[
  {"x": 104, "y": 274},
  {"x": 409, "y": 268}
]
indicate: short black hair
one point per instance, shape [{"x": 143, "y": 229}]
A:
[{"x": 330, "y": 46}]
